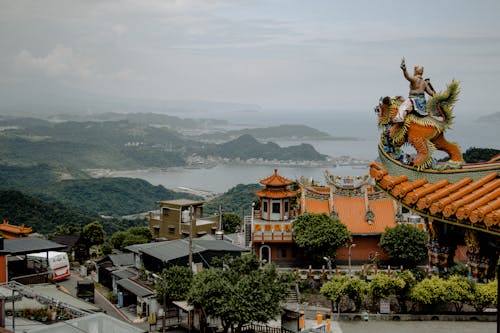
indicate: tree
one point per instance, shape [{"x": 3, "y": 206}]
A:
[
  {"x": 333, "y": 289},
  {"x": 319, "y": 234},
  {"x": 485, "y": 294},
  {"x": 93, "y": 233},
  {"x": 430, "y": 291},
  {"x": 117, "y": 239},
  {"x": 143, "y": 232},
  {"x": 460, "y": 291},
  {"x": 231, "y": 223},
  {"x": 239, "y": 292},
  {"x": 177, "y": 280},
  {"x": 404, "y": 244}
]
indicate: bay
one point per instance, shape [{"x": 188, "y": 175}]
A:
[
  {"x": 222, "y": 177},
  {"x": 466, "y": 132}
]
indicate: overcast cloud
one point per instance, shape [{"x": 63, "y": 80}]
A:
[{"x": 279, "y": 54}]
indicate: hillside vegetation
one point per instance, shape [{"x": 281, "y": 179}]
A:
[{"x": 107, "y": 196}]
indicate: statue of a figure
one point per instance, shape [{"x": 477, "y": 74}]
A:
[{"x": 416, "y": 99}]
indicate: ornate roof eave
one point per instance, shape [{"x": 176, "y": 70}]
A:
[
  {"x": 268, "y": 193},
  {"x": 392, "y": 186},
  {"x": 276, "y": 180}
]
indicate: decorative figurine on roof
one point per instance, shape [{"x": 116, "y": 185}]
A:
[{"x": 419, "y": 123}]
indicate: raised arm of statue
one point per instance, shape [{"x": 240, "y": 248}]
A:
[{"x": 405, "y": 72}]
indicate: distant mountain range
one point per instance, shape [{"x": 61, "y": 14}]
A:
[
  {"x": 130, "y": 143},
  {"x": 491, "y": 118}
]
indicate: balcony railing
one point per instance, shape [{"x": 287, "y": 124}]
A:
[{"x": 272, "y": 232}]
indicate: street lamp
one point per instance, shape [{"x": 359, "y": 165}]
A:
[
  {"x": 349, "y": 257},
  {"x": 329, "y": 262}
]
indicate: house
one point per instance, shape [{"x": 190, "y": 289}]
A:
[
  {"x": 179, "y": 218},
  {"x": 110, "y": 263},
  {"x": 154, "y": 257}
]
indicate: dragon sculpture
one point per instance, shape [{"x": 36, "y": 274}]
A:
[{"x": 424, "y": 133}]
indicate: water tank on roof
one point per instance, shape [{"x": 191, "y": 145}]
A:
[{"x": 185, "y": 216}]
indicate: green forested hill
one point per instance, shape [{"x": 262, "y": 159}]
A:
[
  {"x": 234, "y": 200},
  {"x": 44, "y": 217},
  {"x": 246, "y": 146},
  {"x": 108, "y": 196}
]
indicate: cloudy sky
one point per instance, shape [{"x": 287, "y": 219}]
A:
[{"x": 278, "y": 54}]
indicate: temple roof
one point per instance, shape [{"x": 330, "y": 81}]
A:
[
  {"x": 9, "y": 229},
  {"x": 276, "y": 180},
  {"x": 471, "y": 203},
  {"x": 352, "y": 213},
  {"x": 275, "y": 194}
]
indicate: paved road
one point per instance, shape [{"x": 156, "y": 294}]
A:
[{"x": 417, "y": 327}]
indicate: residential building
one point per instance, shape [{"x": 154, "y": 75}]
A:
[{"x": 178, "y": 218}]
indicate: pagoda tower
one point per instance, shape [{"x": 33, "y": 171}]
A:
[{"x": 272, "y": 226}]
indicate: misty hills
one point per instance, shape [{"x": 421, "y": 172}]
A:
[
  {"x": 124, "y": 144},
  {"x": 287, "y": 132},
  {"x": 493, "y": 118},
  {"x": 246, "y": 147}
]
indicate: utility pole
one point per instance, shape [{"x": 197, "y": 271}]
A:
[
  {"x": 191, "y": 220},
  {"x": 164, "y": 321}
]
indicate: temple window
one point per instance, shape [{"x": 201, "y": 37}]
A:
[
  {"x": 264, "y": 206},
  {"x": 276, "y": 208},
  {"x": 286, "y": 206}
]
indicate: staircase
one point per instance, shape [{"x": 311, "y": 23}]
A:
[{"x": 292, "y": 295}]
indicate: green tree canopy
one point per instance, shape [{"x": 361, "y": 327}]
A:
[
  {"x": 93, "y": 233},
  {"x": 485, "y": 294},
  {"x": 460, "y": 291},
  {"x": 239, "y": 292},
  {"x": 175, "y": 282},
  {"x": 231, "y": 223},
  {"x": 405, "y": 244},
  {"x": 319, "y": 234}
]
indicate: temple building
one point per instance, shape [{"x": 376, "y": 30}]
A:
[
  {"x": 272, "y": 224},
  {"x": 10, "y": 231},
  {"x": 365, "y": 211},
  {"x": 459, "y": 206},
  {"x": 179, "y": 218},
  {"x": 354, "y": 201}
]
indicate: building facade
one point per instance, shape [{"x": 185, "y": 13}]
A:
[{"x": 178, "y": 218}]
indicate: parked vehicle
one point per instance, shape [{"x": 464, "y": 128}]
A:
[
  {"x": 85, "y": 290},
  {"x": 56, "y": 263}
]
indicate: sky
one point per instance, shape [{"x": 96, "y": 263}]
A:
[{"x": 280, "y": 55}]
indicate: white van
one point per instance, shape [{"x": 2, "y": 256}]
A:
[{"x": 57, "y": 266}]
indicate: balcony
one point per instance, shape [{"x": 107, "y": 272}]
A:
[{"x": 269, "y": 232}]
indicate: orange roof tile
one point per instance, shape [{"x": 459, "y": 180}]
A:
[
  {"x": 352, "y": 213},
  {"x": 317, "y": 206},
  {"x": 469, "y": 203},
  {"x": 275, "y": 194},
  {"x": 14, "y": 229},
  {"x": 276, "y": 180}
]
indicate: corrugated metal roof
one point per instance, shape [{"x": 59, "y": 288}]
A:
[
  {"x": 135, "y": 288},
  {"x": 123, "y": 273},
  {"x": 122, "y": 259},
  {"x": 176, "y": 249},
  {"x": 26, "y": 245}
]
